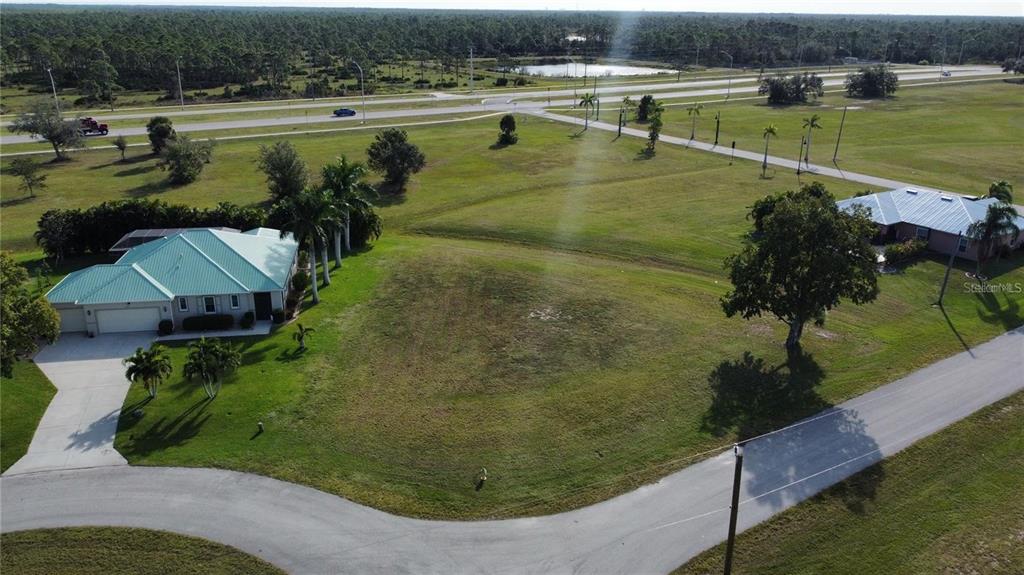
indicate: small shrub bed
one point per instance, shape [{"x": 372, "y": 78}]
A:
[
  {"x": 166, "y": 327},
  {"x": 208, "y": 322},
  {"x": 905, "y": 251}
]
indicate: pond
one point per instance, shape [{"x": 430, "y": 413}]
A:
[{"x": 577, "y": 70}]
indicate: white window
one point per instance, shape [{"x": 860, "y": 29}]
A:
[
  {"x": 182, "y": 304},
  {"x": 962, "y": 245},
  {"x": 234, "y": 301},
  {"x": 210, "y": 304},
  {"x": 922, "y": 233}
]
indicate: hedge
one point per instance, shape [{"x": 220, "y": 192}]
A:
[
  {"x": 208, "y": 322},
  {"x": 901, "y": 252}
]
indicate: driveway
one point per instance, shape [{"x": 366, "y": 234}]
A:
[{"x": 78, "y": 427}]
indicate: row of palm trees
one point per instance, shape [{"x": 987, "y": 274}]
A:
[{"x": 316, "y": 215}]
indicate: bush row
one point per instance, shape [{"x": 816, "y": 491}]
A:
[
  {"x": 64, "y": 232},
  {"x": 208, "y": 322},
  {"x": 901, "y": 252}
]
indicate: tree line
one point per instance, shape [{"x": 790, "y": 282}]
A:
[{"x": 98, "y": 49}]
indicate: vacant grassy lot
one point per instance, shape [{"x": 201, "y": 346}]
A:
[
  {"x": 958, "y": 137},
  {"x": 949, "y": 504},
  {"x": 25, "y": 397},
  {"x": 548, "y": 311},
  {"x": 121, "y": 551}
]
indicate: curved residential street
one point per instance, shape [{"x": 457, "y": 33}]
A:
[{"x": 651, "y": 530}]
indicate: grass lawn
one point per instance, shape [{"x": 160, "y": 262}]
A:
[
  {"x": 24, "y": 399},
  {"x": 949, "y": 504},
  {"x": 121, "y": 551},
  {"x": 958, "y": 137},
  {"x": 548, "y": 311}
]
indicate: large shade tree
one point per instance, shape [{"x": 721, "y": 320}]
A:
[
  {"x": 392, "y": 154},
  {"x": 148, "y": 367},
  {"x": 286, "y": 172},
  {"x": 43, "y": 120},
  {"x": 27, "y": 316},
  {"x": 808, "y": 256}
]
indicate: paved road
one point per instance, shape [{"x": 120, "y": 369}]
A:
[
  {"x": 468, "y": 104},
  {"x": 650, "y": 530},
  {"x": 78, "y": 427}
]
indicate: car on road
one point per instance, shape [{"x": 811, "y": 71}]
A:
[
  {"x": 344, "y": 112},
  {"x": 946, "y": 73}
]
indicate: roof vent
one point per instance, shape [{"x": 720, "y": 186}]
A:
[
  {"x": 912, "y": 192},
  {"x": 947, "y": 199}
]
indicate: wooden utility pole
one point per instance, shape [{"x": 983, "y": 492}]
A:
[
  {"x": 949, "y": 267},
  {"x": 835, "y": 154},
  {"x": 737, "y": 449}
]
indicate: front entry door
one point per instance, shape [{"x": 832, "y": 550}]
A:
[{"x": 263, "y": 305}]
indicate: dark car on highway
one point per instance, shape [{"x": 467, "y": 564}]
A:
[{"x": 344, "y": 112}]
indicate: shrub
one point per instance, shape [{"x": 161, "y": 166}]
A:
[
  {"x": 872, "y": 82},
  {"x": 277, "y": 315},
  {"x": 791, "y": 90},
  {"x": 248, "y": 318},
  {"x": 904, "y": 251},
  {"x": 501, "y": 82},
  {"x": 165, "y": 327},
  {"x": 300, "y": 282},
  {"x": 208, "y": 322},
  {"x": 291, "y": 302}
]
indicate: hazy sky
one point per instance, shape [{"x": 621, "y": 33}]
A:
[{"x": 924, "y": 7}]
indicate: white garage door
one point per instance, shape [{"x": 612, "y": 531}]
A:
[
  {"x": 130, "y": 319},
  {"x": 72, "y": 319}
]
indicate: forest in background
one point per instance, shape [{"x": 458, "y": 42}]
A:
[{"x": 98, "y": 49}]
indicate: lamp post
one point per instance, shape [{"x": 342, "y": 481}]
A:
[
  {"x": 362, "y": 89},
  {"x": 53, "y": 85},
  {"x": 962, "y": 44},
  {"x": 728, "y": 89}
]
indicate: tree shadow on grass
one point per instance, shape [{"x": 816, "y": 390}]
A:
[
  {"x": 149, "y": 189},
  {"x": 136, "y": 171},
  {"x": 17, "y": 201},
  {"x": 163, "y": 433},
  {"x": 992, "y": 312},
  {"x": 125, "y": 162},
  {"x": 752, "y": 398}
]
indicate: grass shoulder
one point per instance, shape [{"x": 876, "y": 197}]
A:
[{"x": 23, "y": 400}]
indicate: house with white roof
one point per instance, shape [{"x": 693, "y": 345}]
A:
[
  {"x": 186, "y": 273},
  {"x": 935, "y": 217}
]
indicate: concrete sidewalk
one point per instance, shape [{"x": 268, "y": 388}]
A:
[{"x": 78, "y": 427}]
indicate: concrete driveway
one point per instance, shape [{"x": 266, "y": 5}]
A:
[{"x": 78, "y": 427}]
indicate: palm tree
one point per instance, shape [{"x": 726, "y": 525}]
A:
[
  {"x": 811, "y": 124},
  {"x": 301, "y": 334},
  {"x": 693, "y": 111},
  {"x": 770, "y": 131},
  {"x": 208, "y": 361},
  {"x": 999, "y": 222},
  {"x": 1002, "y": 191},
  {"x": 628, "y": 105},
  {"x": 587, "y": 102},
  {"x": 148, "y": 367},
  {"x": 343, "y": 179},
  {"x": 307, "y": 215}
]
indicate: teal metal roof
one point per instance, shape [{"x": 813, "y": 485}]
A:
[
  {"x": 193, "y": 262},
  {"x": 108, "y": 283}
]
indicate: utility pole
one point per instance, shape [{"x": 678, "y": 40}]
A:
[
  {"x": 597, "y": 116},
  {"x": 960, "y": 59},
  {"x": 56, "y": 101},
  {"x": 621, "y": 112},
  {"x": 362, "y": 89},
  {"x": 949, "y": 266},
  {"x": 737, "y": 450},
  {"x": 799, "y": 156},
  {"x": 728, "y": 89},
  {"x": 470, "y": 68},
  {"x": 835, "y": 154},
  {"x": 718, "y": 120},
  {"x": 181, "y": 95}
]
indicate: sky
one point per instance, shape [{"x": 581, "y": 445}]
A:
[{"x": 1013, "y": 8}]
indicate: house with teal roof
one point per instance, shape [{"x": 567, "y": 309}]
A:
[{"x": 188, "y": 273}]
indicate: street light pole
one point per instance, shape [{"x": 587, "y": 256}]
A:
[
  {"x": 53, "y": 85},
  {"x": 962, "y": 44},
  {"x": 728, "y": 88},
  {"x": 181, "y": 95},
  {"x": 471, "y": 69},
  {"x": 737, "y": 449},
  {"x": 362, "y": 89}
]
